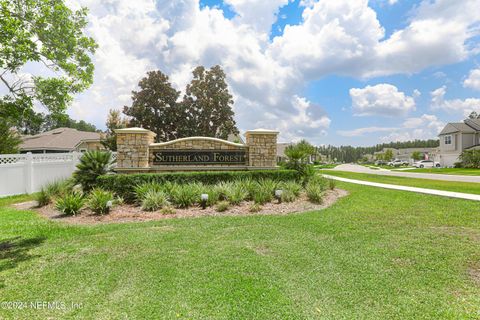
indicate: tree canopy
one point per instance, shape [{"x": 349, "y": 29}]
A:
[
  {"x": 206, "y": 108},
  {"x": 49, "y": 35}
]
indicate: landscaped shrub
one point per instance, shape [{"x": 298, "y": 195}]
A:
[
  {"x": 314, "y": 192},
  {"x": 236, "y": 193},
  {"x": 142, "y": 189},
  {"x": 470, "y": 159},
  {"x": 100, "y": 201},
  {"x": 213, "y": 194},
  {"x": 154, "y": 200},
  {"x": 70, "y": 203},
  {"x": 288, "y": 196},
  {"x": 185, "y": 195},
  {"x": 222, "y": 206},
  {"x": 53, "y": 190},
  {"x": 262, "y": 196},
  {"x": 43, "y": 198},
  {"x": 92, "y": 165},
  {"x": 123, "y": 184},
  {"x": 291, "y": 186}
]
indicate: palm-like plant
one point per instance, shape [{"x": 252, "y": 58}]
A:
[{"x": 92, "y": 164}]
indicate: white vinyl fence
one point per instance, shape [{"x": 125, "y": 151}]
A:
[{"x": 27, "y": 173}]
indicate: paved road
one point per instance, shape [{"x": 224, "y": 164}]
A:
[
  {"x": 442, "y": 193},
  {"x": 432, "y": 176}
]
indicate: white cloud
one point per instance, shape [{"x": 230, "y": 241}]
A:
[
  {"x": 260, "y": 15},
  {"x": 382, "y": 99},
  {"x": 426, "y": 126},
  {"x": 456, "y": 106},
  {"x": 473, "y": 80},
  {"x": 362, "y": 131},
  {"x": 341, "y": 37}
]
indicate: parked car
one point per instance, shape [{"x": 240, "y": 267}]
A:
[
  {"x": 380, "y": 162},
  {"x": 397, "y": 163},
  {"x": 426, "y": 164}
]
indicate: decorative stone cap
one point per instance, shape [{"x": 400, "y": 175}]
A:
[
  {"x": 262, "y": 131},
  {"x": 159, "y": 144},
  {"x": 134, "y": 130}
]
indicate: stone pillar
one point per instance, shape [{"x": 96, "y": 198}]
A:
[
  {"x": 132, "y": 147},
  {"x": 262, "y": 148}
]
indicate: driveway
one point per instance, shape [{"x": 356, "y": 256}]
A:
[{"x": 432, "y": 176}]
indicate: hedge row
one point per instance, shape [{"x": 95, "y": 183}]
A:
[{"x": 123, "y": 184}]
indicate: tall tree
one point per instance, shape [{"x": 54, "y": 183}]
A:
[
  {"x": 114, "y": 121},
  {"x": 9, "y": 138},
  {"x": 208, "y": 104},
  {"x": 155, "y": 107},
  {"x": 49, "y": 33}
]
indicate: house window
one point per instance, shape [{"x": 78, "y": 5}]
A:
[
  {"x": 448, "y": 139},
  {"x": 83, "y": 150}
]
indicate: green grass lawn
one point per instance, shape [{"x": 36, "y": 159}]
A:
[
  {"x": 326, "y": 166},
  {"x": 458, "y": 171},
  {"x": 376, "y": 254},
  {"x": 465, "y": 187}
]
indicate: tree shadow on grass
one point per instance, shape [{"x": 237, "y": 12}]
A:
[{"x": 16, "y": 250}]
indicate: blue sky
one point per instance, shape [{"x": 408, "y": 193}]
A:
[{"x": 334, "y": 72}]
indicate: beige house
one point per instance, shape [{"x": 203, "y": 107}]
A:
[
  {"x": 455, "y": 138},
  {"x": 61, "y": 140}
]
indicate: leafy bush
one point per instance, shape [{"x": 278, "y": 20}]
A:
[
  {"x": 92, "y": 165},
  {"x": 314, "y": 192},
  {"x": 70, "y": 203},
  {"x": 213, "y": 194},
  {"x": 142, "y": 189},
  {"x": 470, "y": 159},
  {"x": 185, "y": 195},
  {"x": 124, "y": 184},
  {"x": 100, "y": 201},
  {"x": 268, "y": 185},
  {"x": 222, "y": 206},
  {"x": 154, "y": 200}
]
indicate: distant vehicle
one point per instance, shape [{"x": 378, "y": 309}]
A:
[
  {"x": 426, "y": 164},
  {"x": 397, "y": 163},
  {"x": 380, "y": 162}
]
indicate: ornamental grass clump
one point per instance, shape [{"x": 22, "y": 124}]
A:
[
  {"x": 236, "y": 193},
  {"x": 70, "y": 203},
  {"x": 262, "y": 196},
  {"x": 53, "y": 190},
  {"x": 315, "y": 192},
  {"x": 142, "y": 189},
  {"x": 185, "y": 195},
  {"x": 154, "y": 200},
  {"x": 101, "y": 201},
  {"x": 255, "y": 207}
]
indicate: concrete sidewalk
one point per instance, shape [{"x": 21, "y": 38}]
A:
[
  {"x": 458, "y": 195},
  {"x": 432, "y": 176}
]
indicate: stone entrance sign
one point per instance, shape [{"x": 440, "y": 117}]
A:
[{"x": 137, "y": 152}]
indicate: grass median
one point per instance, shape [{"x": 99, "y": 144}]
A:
[
  {"x": 464, "y": 187},
  {"x": 451, "y": 171}
]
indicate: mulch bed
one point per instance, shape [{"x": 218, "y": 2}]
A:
[{"x": 130, "y": 213}]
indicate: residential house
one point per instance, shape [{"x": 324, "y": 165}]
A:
[
  {"x": 455, "y": 138},
  {"x": 61, "y": 140}
]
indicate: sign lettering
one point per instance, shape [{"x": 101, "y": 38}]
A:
[{"x": 194, "y": 157}]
